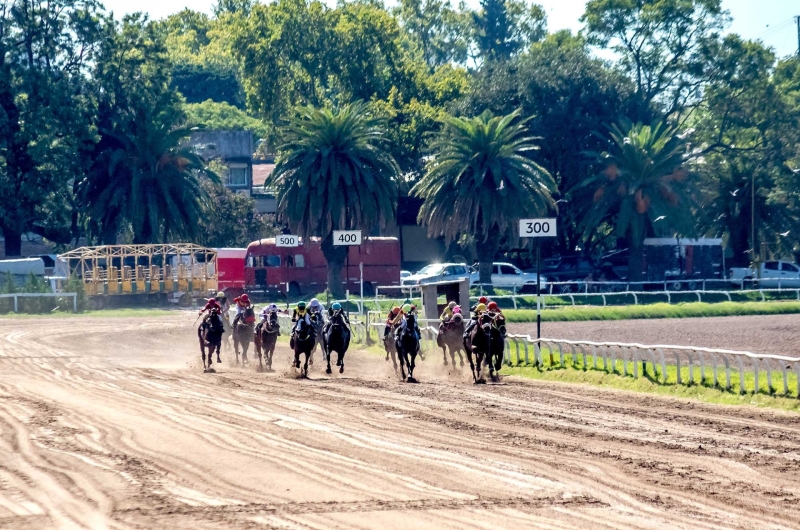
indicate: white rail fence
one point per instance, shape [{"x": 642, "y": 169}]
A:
[{"x": 17, "y": 296}]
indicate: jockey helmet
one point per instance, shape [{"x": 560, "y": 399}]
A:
[
  {"x": 314, "y": 303},
  {"x": 220, "y": 295},
  {"x": 336, "y": 306},
  {"x": 212, "y": 300},
  {"x": 395, "y": 310},
  {"x": 481, "y": 307},
  {"x": 456, "y": 310},
  {"x": 451, "y": 305},
  {"x": 244, "y": 298},
  {"x": 408, "y": 301},
  {"x": 301, "y": 305},
  {"x": 272, "y": 307},
  {"x": 406, "y": 308},
  {"x": 492, "y": 306},
  {"x": 483, "y": 300}
]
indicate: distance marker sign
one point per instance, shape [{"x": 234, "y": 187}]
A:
[
  {"x": 287, "y": 241},
  {"x": 346, "y": 237},
  {"x": 537, "y": 227}
]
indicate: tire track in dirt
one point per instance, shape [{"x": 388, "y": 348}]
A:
[{"x": 110, "y": 424}]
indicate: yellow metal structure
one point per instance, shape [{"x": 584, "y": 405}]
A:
[{"x": 144, "y": 269}]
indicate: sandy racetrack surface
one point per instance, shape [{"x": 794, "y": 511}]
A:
[
  {"x": 777, "y": 334},
  {"x": 109, "y": 423}
]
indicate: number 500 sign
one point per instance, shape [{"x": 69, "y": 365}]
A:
[{"x": 537, "y": 227}]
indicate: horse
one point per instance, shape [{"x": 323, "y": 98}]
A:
[
  {"x": 210, "y": 335},
  {"x": 266, "y": 338},
  {"x": 302, "y": 341},
  {"x": 478, "y": 345},
  {"x": 497, "y": 346},
  {"x": 317, "y": 321},
  {"x": 407, "y": 345},
  {"x": 243, "y": 332},
  {"x": 336, "y": 338},
  {"x": 451, "y": 336},
  {"x": 391, "y": 346}
]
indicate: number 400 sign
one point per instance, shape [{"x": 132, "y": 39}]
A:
[
  {"x": 346, "y": 237},
  {"x": 537, "y": 227}
]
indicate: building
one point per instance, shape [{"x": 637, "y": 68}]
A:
[
  {"x": 234, "y": 149},
  {"x": 265, "y": 199}
]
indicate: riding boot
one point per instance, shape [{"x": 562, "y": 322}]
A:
[{"x": 469, "y": 327}]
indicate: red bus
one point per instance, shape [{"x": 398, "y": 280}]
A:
[{"x": 304, "y": 269}]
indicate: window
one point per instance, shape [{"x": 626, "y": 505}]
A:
[
  {"x": 237, "y": 175},
  {"x": 249, "y": 262},
  {"x": 788, "y": 267},
  {"x": 299, "y": 260},
  {"x": 507, "y": 269},
  {"x": 271, "y": 261},
  {"x": 772, "y": 266},
  {"x": 460, "y": 270}
]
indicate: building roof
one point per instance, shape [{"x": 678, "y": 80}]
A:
[{"x": 260, "y": 173}]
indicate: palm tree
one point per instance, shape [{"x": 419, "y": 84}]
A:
[
  {"x": 643, "y": 186},
  {"x": 334, "y": 173},
  {"x": 480, "y": 181},
  {"x": 145, "y": 180}
]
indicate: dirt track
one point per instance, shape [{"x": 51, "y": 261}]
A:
[
  {"x": 110, "y": 424},
  {"x": 778, "y": 334}
]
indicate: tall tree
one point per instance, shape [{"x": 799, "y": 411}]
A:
[
  {"x": 570, "y": 94},
  {"x": 442, "y": 31},
  {"x": 660, "y": 45},
  {"x": 642, "y": 188},
  {"x": 480, "y": 180},
  {"x": 505, "y": 27},
  {"x": 45, "y": 49},
  {"x": 148, "y": 181},
  {"x": 748, "y": 130},
  {"x": 334, "y": 173}
]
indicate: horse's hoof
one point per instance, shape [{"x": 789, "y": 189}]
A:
[
  {"x": 210, "y": 371},
  {"x": 481, "y": 381},
  {"x": 445, "y": 362},
  {"x": 311, "y": 362},
  {"x": 411, "y": 379},
  {"x": 328, "y": 370},
  {"x": 338, "y": 362},
  {"x": 219, "y": 360},
  {"x": 387, "y": 358},
  {"x": 341, "y": 369}
]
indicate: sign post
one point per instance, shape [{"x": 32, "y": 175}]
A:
[
  {"x": 349, "y": 238},
  {"x": 288, "y": 241},
  {"x": 538, "y": 228}
]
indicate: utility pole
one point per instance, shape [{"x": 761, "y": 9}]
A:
[{"x": 797, "y": 19}]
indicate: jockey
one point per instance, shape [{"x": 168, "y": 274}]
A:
[
  {"x": 477, "y": 309},
  {"x": 210, "y": 306},
  {"x": 242, "y": 305},
  {"x": 391, "y": 320},
  {"x": 222, "y": 300},
  {"x": 271, "y": 308},
  {"x": 407, "y": 309},
  {"x": 447, "y": 314},
  {"x": 336, "y": 306},
  {"x": 493, "y": 308},
  {"x": 314, "y": 306},
  {"x": 300, "y": 313}
]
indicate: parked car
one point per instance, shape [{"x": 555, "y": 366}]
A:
[
  {"x": 774, "y": 274},
  {"x": 404, "y": 274},
  {"x": 569, "y": 269},
  {"x": 507, "y": 275},
  {"x": 437, "y": 272}
]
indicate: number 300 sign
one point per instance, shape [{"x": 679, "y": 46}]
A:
[{"x": 537, "y": 227}]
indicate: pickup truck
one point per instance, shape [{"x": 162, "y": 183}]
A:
[
  {"x": 774, "y": 274},
  {"x": 507, "y": 276}
]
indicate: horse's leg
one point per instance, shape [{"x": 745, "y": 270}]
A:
[
  {"x": 340, "y": 359},
  {"x": 258, "y": 346},
  {"x": 296, "y": 356},
  {"x": 411, "y": 368},
  {"x": 479, "y": 361},
  {"x": 444, "y": 354},
  {"x": 402, "y": 358},
  {"x": 327, "y": 354},
  {"x": 305, "y": 366}
]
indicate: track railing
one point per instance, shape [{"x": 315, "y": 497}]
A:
[{"x": 17, "y": 296}]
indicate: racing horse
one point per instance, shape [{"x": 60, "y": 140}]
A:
[
  {"x": 497, "y": 346},
  {"x": 336, "y": 338},
  {"x": 266, "y": 338},
  {"x": 451, "y": 337},
  {"x": 390, "y": 344},
  {"x": 407, "y": 344},
  {"x": 210, "y": 335},
  {"x": 478, "y": 344},
  {"x": 302, "y": 341},
  {"x": 243, "y": 331},
  {"x": 318, "y": 322}
]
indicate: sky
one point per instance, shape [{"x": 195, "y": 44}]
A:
[{"x": 771, "y": 21}]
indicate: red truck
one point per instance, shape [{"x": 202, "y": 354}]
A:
[{"x": 303, "y": 269}]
